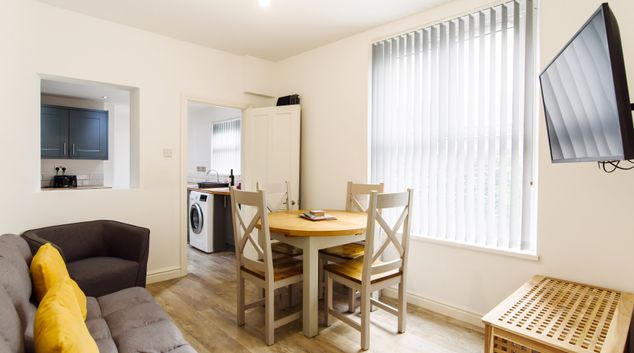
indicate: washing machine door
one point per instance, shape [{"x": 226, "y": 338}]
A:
[{"x": 196, "y": 219}]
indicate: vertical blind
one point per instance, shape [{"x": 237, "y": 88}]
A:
[
  {"x": 225, "y": 146},
  {"x": 452, "y": 118}
]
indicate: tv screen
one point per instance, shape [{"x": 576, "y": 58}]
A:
[{"x": 586, "y": 100}]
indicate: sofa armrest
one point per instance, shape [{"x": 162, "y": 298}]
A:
[
  {"x": 126, "y": 241},
  {"x": 35, "y": 241}
]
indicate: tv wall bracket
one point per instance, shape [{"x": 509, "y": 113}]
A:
[{"x": 611, "y": 166}]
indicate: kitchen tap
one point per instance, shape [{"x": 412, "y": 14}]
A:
[{"x": 217, "y": 174}]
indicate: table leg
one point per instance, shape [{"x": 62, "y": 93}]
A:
[{"x": 311, "y": 278}]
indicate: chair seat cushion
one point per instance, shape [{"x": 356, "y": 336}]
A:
[
  {"x": 131, "y": 321},
  {"x": 286, "y": 249},
  {"x": 98, "y": 276},
  {"x": 353, "y": 271},
  {"x": 346, "y": 252},
  {"x": 283, "y": 267}
]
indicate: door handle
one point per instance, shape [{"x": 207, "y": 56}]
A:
[
  {"x": 64, "y": 149},
  {"x": 73, "y": 147}
]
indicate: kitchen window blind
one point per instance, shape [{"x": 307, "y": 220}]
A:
[{"x": 225, "y": 146}]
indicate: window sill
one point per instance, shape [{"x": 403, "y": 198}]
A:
[{"x": 524, "y": 255}]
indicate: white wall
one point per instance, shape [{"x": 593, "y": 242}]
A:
[
  {"x": 40, "y": 39},
  {"x": 583, "y": 232},
  {"x": 120, "y": 146},
  {"x": 200, "y": 121}
]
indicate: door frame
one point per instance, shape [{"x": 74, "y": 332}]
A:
[{"x": 187, "y": 98}]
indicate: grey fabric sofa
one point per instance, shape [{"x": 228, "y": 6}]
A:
[
  {"x": 101, "y": 256},
  {"x": 127, "y": 321}
]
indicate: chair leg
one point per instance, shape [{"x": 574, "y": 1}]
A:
[
  {"x": 365, "y": 320},
  {"x": 241, "y": 301},
  {"x": 290, "y": 296},
  {"x": 320, "y": 276},
  {"x": 269, "y": 315},
  {"x": 376, "y": 296},
  {"x": 328, "y": 295},
  {"x": 261, "y": 293},
  {"x": 402, "y": 308},
  {"x": 352, "y": 302}
]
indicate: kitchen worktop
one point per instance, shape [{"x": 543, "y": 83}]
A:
[{"x": 214, "y": 191}]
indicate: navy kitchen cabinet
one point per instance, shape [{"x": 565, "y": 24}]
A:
[
  {"x": 74, "y": 133},
  {"x": 88, "y": 134},
  {"x": 54, "y": 132}
]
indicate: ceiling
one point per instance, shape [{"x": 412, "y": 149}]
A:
[
  {"x": 282, "y": 30},
  {"x": 95, "y": 92},
  {"x": 212, "y": 112}
]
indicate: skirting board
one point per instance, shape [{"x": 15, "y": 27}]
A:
[
  {"x": 445, "y": 309},
  {"x": 164, "y": 275}
]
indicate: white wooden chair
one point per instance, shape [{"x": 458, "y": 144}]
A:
[
  {"x": 356, "y": 200},
  {"x": 278, "y": 197},
  {"x": 263, "y": 270},
  {"x": 372, "y": 274}
]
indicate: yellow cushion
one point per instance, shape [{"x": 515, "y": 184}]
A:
[
  {"x": 47, "y": 270},
  {"x": 59, "y": 326}
]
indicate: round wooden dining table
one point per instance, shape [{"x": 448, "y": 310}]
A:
[
  {"x": 291, "y": 224},
  {"x": 312, "y": 236}
]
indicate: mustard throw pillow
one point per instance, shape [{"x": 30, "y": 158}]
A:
[
  {"x": 47, "y": 270},
  {"x": 59, "y": 326}
]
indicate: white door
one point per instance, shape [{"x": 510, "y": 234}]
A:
[{"x": 270, "y": 148}]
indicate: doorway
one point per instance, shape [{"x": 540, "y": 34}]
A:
[{"x": 212, "y": 162}]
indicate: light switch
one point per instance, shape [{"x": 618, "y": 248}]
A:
[{"x": 167, "y": 152}]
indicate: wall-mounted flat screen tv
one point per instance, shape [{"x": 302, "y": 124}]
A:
[{"x": 585, "y": 94}]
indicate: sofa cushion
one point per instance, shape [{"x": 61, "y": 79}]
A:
[
  {"x": 138, "y": 324},
  {"x": 98, "y": 276},
  {"x": 48, "y": 270},
  {"x": 123, "y": 300},
  {"x": 59, "y": 324},
  {"x": 15, "y": 278},
  {"x": 98, "y": 327},
  {"x": 29, "y": 335},
  {"x": 10, "y": 333},
  {"x": 19, "y": 243},
  {"x": 100, "y": 332},
  {"x": 93, "y": 310},
  {"x": 159, "y": 337}
]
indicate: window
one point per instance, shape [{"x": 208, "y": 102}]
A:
[
  {"x": 225, "y": 146},
  {"x": 452, "y": 117}
]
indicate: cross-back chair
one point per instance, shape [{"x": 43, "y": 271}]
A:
[
  {"x": 373, "y": 272},
  {"x": 263, "y": 269},
  {"x": 278, "y": 199},
  {"x": 356, "y": 201}
]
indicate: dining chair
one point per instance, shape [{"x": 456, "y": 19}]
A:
[
  {"x": 278, "y": 199},
  {"x": 263, "y": 270},
  {"x": 374, "y": 272},
  {"x": 356, "y": 200}
]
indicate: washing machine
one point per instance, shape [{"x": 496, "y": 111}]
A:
[{"x": 201, "y": 210}]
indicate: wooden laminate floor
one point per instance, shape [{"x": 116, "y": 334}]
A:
[{"x": 203, "y": 305}]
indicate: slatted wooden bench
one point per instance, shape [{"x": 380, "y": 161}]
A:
[{"x": 548, "y": 315}]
